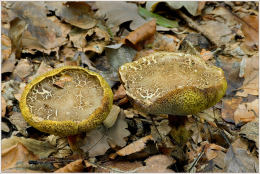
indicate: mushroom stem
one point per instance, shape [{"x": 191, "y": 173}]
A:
[
  {"x": 177, "y": 120},
  {"x": 74, "y": 143}
]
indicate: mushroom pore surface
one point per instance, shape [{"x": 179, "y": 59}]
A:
[
  {"x": 154, "y": 76},
  {"x": 69, "y": 95}
]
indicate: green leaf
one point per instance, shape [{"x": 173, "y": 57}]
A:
[{"x": 162, "y": 21}]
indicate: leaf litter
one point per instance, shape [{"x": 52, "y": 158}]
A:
[{"x": 199, "y": 144}]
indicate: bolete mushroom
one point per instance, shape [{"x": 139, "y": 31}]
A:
[
  {"x": 66, "y": 101},
  {"x": 172, "y": 83}
]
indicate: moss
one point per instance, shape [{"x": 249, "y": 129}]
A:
[{"x": 68, "y": 127}]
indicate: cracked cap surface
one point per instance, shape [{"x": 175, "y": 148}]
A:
[
  {"x": 172, "y": 83},
  {"x": 66, "y": 101}
]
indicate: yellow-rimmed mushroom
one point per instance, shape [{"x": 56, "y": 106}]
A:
[
  {"x": 172, "y": 83},
  {"x": 66, "y": 101}
]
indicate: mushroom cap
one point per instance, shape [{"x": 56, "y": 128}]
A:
[
  {"x": 66, "y": 101},
  {"x": 172, "y": 83}
]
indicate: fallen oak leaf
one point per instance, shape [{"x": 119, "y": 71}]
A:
[
  {"x": 143, "y": 34},
  {"x": 244, "y": 114},
  {"x": 98, "y": 140},
  {"x": 14, "y": 154},
  {"x": 42, "y": 149},
  {"x": 75, "y": 166},
  {"x": 157, "y": 164},
  {"x": 251, "y": 131},
  {"x": 6, "y": 47},
  {"x": 136, "y": 146},
  {"x": 3, "y": 106},
  {"x": 127, "y": 11}
]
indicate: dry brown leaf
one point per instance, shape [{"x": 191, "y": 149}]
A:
[
  {"x": 245, "y": 113},
  {"x": 78, "y": 14},
  {"x": 251, "y": 131},
  {"x": 142, "y": 35},
  {"x": 250, "y": 30},
  {"x": 15, "y": 155},
  {"x": 119, "y": 93},
  {"x": 118, "y": 132},
  {"x": 3, "y": 106},
  {"x": 238, "y": 160},
  {"x": 4, "y": 127},
  {"x": 17, "y": 119},
  {"x": 165, "y": 42},
  {"x": 75, "y": 166},
  {"x": 136, "y": 146},
  {"x": 250, "y": 84},
  {"x": 211, "y": 151},
  {"x": 6, "y": 47},
  {"x": 48, "y": 32},
  {"x": 41, "y": 149},
  {"x": 9, "y": 64},
  {"x": 118, "y": 166},
  {"x": 128, "y": 12},
  {"x": 229, "y": 106},
  {"x": 206, "y": 55},
  {"x": 20, "y": 91},
  {"x": 97, "y": 141},
  {"x": 23, "y": 69},
  {"x": 157, "y": 164}
]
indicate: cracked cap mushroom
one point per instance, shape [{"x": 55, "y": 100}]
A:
[
  {"x": 172, "y": 83},
  {"x": 66, "y": 101}
]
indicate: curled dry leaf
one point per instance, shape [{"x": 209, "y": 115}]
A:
[
  {"x": 3, "y": 106},
  {"x": 250, "y": 30},
  {"x": 78, "y": 14},
  {"x": 211, "y": 151},
  {"x": 6, "y": 47},
  {"x": 43, "y": 68},
  {"x": 136, "y": 146},
  {"x": 120, "y": 93},
  {"x": 4, "y": 127},
  {"x": 47, "y": 32},
  {"x": 14, "y": 155},
  {"x": 251, "y": 71},
  {"x": 237, "y": 160},
  {"x": 20, "y": 91},
  {"x": 118, "y": 166},
  {"x": 41, "y": 149},
  {"x": 142, "y": 35},
  {"x": 23, "y": 69},
  {"x": 17, "y": 119},
  {"x": 75, "y": 166},
  {"x": 246, "y": 112},
  {"x": 194, "y": 8},
  {"x": 229, "y": 106},
  {"x": 251, "y": 131},
  {"x": 157, "y": 164},
  {"x": 127, "y": 11},
  {"x": 165, "y": 42},
  {"x": 97, "y": 141},
  {"x": 9, "y": 64}
]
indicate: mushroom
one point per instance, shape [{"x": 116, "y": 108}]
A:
[
  {"x": 172, "y": 83},
  {"x": 66, "y": 101}
]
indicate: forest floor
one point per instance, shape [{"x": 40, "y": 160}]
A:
[{"x": 37, "y": 37}]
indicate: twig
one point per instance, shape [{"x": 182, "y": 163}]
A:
[{"x": 197, "y": 159}]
